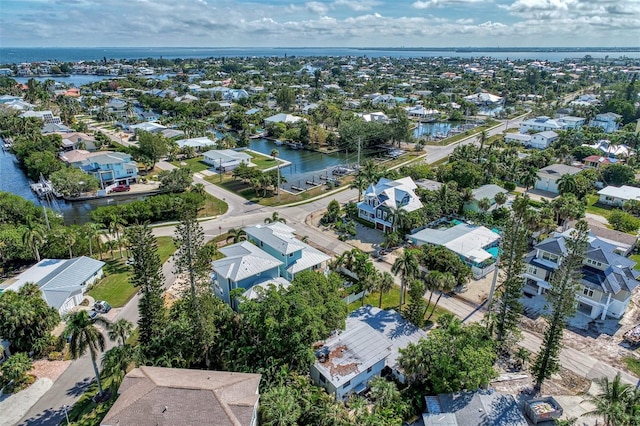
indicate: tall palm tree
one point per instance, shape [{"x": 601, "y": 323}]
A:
[
  {"x": 121, "y": 329},
  {"x": 406, "y": 265},
  {"x": 385, "y": 284},
  {"x": 446, "y": 283},
  {"x": 529, "y": 178},
  {"x": 399, "y": 218},
  {"x": 567, "y": 184},
  {"x": 613, "y": 402},
  {"x": 275, "y": 217},
  {"x": 92, "y": 232},
  {"x": 33, "y": 237},
  {"x": 360, "y": 183},
  {"x": 85, "y": 335}
]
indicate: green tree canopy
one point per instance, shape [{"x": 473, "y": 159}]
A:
[
  {"x": 72, "y": 182},
  {"x": 25, "y": 318}
]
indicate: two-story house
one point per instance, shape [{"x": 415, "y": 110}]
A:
[
  {"x": 243, "y": 266},
  {"x": 278, "y": 240},
  {"x": 540, "y": 124},
  {"x": 543, "y": 140},
  {"x": 272, "y": 255},
  {"x": 384, "y": 198},
  {"x": 608, "y": 121},
  {"x": 112, "y": 168},
  {"x": 548, "y": 177},
  {"x": 608, "y": 278},
  {"x": 370, "y": 343}
]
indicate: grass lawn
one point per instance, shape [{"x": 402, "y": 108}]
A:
[
  {"x": 632, "y": 364},
  {"x": 195, "y": 164},
  {"x": 115, "y": 287},
  {"x": 593, "y": 208},
  {"x": 636, "y": 258},
  {"x": 390, "y": 300},
  {"x": 88, "y": 413},
  {"x": 212, "y": 207},
  {"x": 262, "y": 161}
]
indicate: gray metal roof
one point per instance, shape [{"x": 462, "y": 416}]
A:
[
  {"x": 243, "y": 260},
  {"x": 59, "y": 279},
  {"x": 276, "y": 235},
  {"x": 310, "y": 258},
  {"x": 482, "y": 407},
  {"x": 487, "y": 191}
]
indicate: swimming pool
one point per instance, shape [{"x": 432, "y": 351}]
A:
[{"x": 493, "y": 251}]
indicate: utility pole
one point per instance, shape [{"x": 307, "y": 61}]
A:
[
  {"x": 278, "y": 166},
  {"x": 358, "y": 152}
]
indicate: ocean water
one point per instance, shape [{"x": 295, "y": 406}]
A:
[{"x": 9, "y": 55}]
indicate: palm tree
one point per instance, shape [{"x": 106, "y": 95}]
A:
[
  {"x": 68, "y": 237},
  {"x": 613, "y": 402},
  {"x": 236, "y": 235},
  {"x": 116, "y": 362},
  {"x": 483, "y": 139},
  {"x": 530, "y": 178},
  {"x": 446, "y": 283},
  {"x": 399, "y": 218},
  {"x": 484, "y": 204},
  {"x": 385, "y": 284},
  {"x": 275, "y": 217},
  {"x": 85, "y": 335},
  {"x": 567, "y": 184},
  {"x": 500, "y": 198},
  {"x": 120, "y": 329},
  {"x": 92, "y": 232},
  {"x": 33, "y": 237},
  {"x": 406, "y": 265},
  {"x": 360, "y": 183}
]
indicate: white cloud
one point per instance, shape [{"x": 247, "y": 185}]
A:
[
  {"x": 427, "y": 4},
  {"x": 357, "y": 5},
  {"x": 317, "y": 7}
]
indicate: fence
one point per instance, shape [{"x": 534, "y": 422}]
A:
[{"x": 353, "y": 297}]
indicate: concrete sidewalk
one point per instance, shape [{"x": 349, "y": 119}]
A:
[{"x": 13, "y": 407}]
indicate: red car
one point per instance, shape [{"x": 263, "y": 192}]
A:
[{"x": 121, "y": 188}]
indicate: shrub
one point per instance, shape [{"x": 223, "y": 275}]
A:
[
  {"x": 55, "y": 356},
  {"x": 623, "y": 221},
  {"x": 509, "y": 186},
  {"x": 15, "y": 368}
]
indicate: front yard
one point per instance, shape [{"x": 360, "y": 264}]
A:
[
  {"x": 115, "y": 287},
  {"x": 195, "y": 164}
]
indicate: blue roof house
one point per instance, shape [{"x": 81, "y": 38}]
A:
[{"x": 111, "y": 168}]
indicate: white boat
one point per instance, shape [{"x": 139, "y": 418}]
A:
[{"x": 278, "y": 142}]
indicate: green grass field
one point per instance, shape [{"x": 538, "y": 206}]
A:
[
  {"x": 195, "y": 164},
  {"x": 633, "y": 365},
  {"x": 115, "y": 287},
  {"x": 594, "y": 208},
  {"x": 262, "y": 161}
]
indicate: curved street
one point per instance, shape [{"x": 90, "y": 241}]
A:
[{"x": 71, "y": 384}]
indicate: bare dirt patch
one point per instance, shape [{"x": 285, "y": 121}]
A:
[{"x": 49, "y": 369}]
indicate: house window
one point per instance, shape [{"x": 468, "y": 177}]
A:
[
  {"x": 290, "y": 254},
  {"x": 261, "y": 244},
  {"x": 322, "y": 378},
  {"x": 594, "y": 262},
  {"x": 347, "y": 384},
  {"x": 369, "y": 369},
  {"x": 532, "y": 270},
  {"x": 550, "y": 257},
  {"x": 587, "y": 292}
]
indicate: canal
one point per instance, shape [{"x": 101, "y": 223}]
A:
[
  {"x": 13, "y": 180},
  {"x": 305, "y": 165}
]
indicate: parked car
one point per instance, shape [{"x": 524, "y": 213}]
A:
[
  {"x": 101, "y": 307},
  {"x": 92, "y": 314},
  {"x": 121, "y": 188}
]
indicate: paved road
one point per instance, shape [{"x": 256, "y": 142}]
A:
[{"x": 71, "y": 384}]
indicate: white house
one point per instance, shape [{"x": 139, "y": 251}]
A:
[
  {"x": 540, "y": 124},
  {"x": 617, "y": 196},
  {"x": 608, "y": 278},
  {"x": 197, "y": 143},
  {"x": 46, "y": 116},
  {"x": 549, "y": 176},
  {"x": 521, "y": 138},
  {"x": 612, "y": 150},
  {"x": 63, "y": 282},
  {"x": 282, "y": 118},
  {"x": 476, "y": 245},
  {"x": 228, "y": 159},
  {"x": 571, "y": 122},
  {"x": 485, "y": 100},
  {"x": 379, "y": 116},
  {"x": 543, "y": 140},
  {"x": 608, "y": 121},
  {"x": 370, "y": 343},
  {"x": 420, "y": 112},
  {"x": 382, "y": 199}
]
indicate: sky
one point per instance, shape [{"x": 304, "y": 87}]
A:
[{"x": 330, "y": 23}]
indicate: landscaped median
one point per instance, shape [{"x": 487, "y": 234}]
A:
[{"x": 116, "y": 287}]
